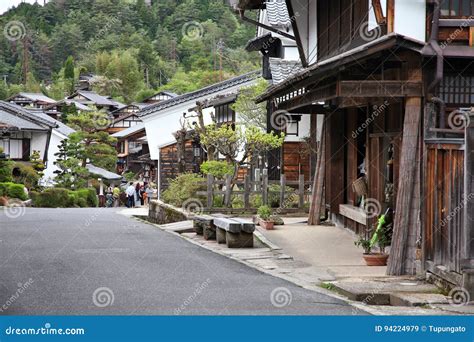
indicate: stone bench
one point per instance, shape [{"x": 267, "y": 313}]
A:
[
  {"x": 204, "y": 225},
  {"x": 236, "y": 233}
]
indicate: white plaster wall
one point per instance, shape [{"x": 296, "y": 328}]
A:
[
  {"x": 38, "y": 142},
  {"x": 161, "y": 125},
  {"x": 304, "y": 129},
  {"x": 410, "y": 18},
  {"x": 54, "y": 144}
]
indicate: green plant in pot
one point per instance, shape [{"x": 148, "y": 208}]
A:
[
  {"x": 264, "y": 216},
  {"x": 381, "y": 238}
]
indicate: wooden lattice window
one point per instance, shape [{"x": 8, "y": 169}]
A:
[
  {"x": 456, "y": 8},
  {"x": 458, "y": 90}
]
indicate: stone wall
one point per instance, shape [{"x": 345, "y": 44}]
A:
[{"x": 162, "y": 213}]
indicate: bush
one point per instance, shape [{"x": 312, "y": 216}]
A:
[
  {"x": 64, "y": 198},
  {"x": 183, "y": 188},
  {"x": 13, "y": 190},
  {"x": 238, "y": 202},
  {"x": 6, "y": 168},
  {"x": 26, "y": 175},
  {"x": 291, "y": 198},
  {"x": 264, "y": 212},
  {"x": 219, "y": 169}
]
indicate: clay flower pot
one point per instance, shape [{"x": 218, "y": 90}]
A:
[
  {"x": 375, "y": 259},
  {"x": 268, "y": 225}
]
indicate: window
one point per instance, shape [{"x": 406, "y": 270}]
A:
[
  {"x": 224, "y": 114},
  {"x": 292, "y": 127},
  {"x": 12, "y": 147},
  {"x": 456, "y": 8}
]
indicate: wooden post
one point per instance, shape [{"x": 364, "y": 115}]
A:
[
  {"x": 265, "y": 187},
  {"x": 301, "y": 191},
  {"x": 318, "y": 182},
  {"x": 247, "y": 189},
  {"x": 282, "y": 190},
  {"x": 258, "y": 180},
  {"x": 467, "y": 251},
  {"x": 210, "y": 192},
  {"x": 401, "y": 260},
  {"x": 228, "y": 190}
]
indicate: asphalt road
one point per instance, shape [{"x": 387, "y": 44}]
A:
[{"x": 98, "y": 262}]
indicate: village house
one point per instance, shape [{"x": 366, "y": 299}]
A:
[
  {"x": 23, "y": 131},
  {"x": 395, "y": 82},
  {"x": 31, "y": 100},
  {"x": 91, "y": 98},
  {"x": 57, "y": 109},
  {"x": 163, "y": 119}
]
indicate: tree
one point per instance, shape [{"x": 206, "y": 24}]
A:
[
  {"x": 251, "y": 113},
  {"x": 90, "y": 144},
  {"x": 69, "y": 75},
  {"x": 70, "y": 173}
]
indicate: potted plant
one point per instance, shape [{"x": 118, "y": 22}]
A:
[
  {"x": 380, "y": 237},
  {"x": 264, "y": 215}
]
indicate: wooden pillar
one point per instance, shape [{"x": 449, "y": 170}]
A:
[
  {"x": 467, "y": 252},
  {"x": 403, "y": 250},
  {"x": 318, "y": 183}
]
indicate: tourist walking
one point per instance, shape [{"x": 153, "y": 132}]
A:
[{"x": 130, "y": 196}]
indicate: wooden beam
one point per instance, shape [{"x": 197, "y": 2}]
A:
[
  {"x": 378, "y": 12},
  {"x": 471, "y": 36},
  {"x": 318, "y": 182},
  {"x": 390, "y": 16},
  {"x": 379, "y": 88}
]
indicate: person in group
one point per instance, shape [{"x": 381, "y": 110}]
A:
[
  {"x": 149, "y": 194},
  {"x": 116, "y": 194},
  {"x": 142, "y": 195},
  {"x": 137, "y": 194},
  {"x": 130, "y": 192}
]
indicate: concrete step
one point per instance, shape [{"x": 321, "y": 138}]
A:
[
  {"x": 416, "y": 299},
  {"x": 179, "y": 227}
]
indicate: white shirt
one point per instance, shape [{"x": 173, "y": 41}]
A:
[{"x": 130, "y": 190}]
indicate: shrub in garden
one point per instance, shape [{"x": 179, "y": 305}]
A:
[
  {"x": 291, "y": 198},
  {"x": 26, "y": 175},
  {"x": 218, "y": 169},
  {"x": 65, "y": 198},
  {"x": 13, "y": 190},
  {"x": 184, "y": 187}
]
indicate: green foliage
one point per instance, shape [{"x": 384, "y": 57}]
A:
[
  {"x": 6, "y": 168},
  {"x": 183, "y": 188},
  {"x": 237, "y": 202},
  {"x": 65, "y": 198},
  {"x": 129, "y": 176},
  {"x": 69, "y": 74},
  {"x": 291, "y": 198},
  {"x": 251, "y": 113},
  {"x": 147, "y": 45},
  {"x": 264, "y": 212},
  {"x": 218, "y": 169},
  {"x": 26, "y": 175},
  {"x": 13, "y": 190}
]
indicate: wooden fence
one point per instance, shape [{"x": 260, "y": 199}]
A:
[{"x": 229, "y": 190}]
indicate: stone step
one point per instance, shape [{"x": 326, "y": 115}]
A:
[{"x": 416, "y": 299}]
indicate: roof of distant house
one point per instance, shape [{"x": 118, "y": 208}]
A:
[
  {"x": 96, "y": 98},
  {"x": 35, "y": 97},
  {"x": 98, "y": 171},
  {"x": 199, "y": 93},
  {"x": 129, "y": 131}
]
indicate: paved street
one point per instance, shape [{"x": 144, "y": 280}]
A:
[{"x": 95, "y": 261}]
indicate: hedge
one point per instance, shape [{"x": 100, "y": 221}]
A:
[
  {"x": 64, "y": 198},
  {"x": 13, "y": 190}
]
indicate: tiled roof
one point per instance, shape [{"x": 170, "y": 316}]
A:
[
  {"x": 10, "y": 120},
  {"x": 277, "y": 13},
  {"x": 19, "y": 111},
  {"x": 129, "y": 131},
  {"x": 199, "y": 93},
  {"x": 96, "y": 98},
  {"x": 282, "y": 69},
  {"x": 98, "y": 171},
  {"x": 37, "y": 97},
  {"x": 61, "y": 128}
]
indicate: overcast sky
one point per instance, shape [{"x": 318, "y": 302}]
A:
[{"x": 6, "y": 4}]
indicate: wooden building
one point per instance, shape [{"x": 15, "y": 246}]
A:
[
  {"x": 31, "y": 100},
  {"x": 395, "y": 82}
]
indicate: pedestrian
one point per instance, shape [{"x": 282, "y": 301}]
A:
[
  {"x": 149, "y": 194},
  {"x": 137, "y": 193},
  {"x": 142, "y": 195},
  {"x": 116, "y": 193},
  {"x": 130, "y": 195}
]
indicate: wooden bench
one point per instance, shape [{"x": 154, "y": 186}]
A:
[{"x": 236, "y": 233}]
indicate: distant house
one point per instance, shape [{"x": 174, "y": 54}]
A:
[
  {"x": 163, "y": 119},
  {"x": 160, "y": 97},
  {"x": 33, "y": 100},
  {"x": 134, "y": 154},
  {"x": 23, "y": 131},
  {"x": 91, "y": 98},
  {"x": 56, "y": 110}
]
